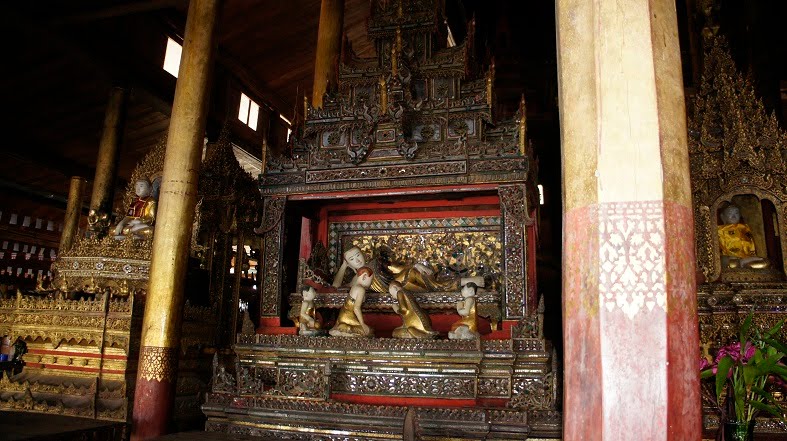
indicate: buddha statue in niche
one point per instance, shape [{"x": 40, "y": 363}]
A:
[
  {"x": 141, "y": 213},
  {"x": 736, "y": 242},
  {"x": 415, "y": 322},
  {"x": 416, "y": 277}
]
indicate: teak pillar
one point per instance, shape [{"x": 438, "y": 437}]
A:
[
  {"x": 329, "y": 44},
  {"x": 107, "y": 163},
  {"x": 629, "y": 295},
  {"x": 73, "y": 212},
  {"x": 161, "y": 325}
]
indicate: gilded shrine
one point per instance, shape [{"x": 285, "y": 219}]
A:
[
  {"x": 83, "y": 331},
  {"x": 396, "y": 193},
  {"x": 738, "y": 159}
]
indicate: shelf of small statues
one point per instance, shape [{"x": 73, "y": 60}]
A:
[
  {"x": 487, "y": 303},
  {"x": 381, "y": 302},
  {"x": 763, "y": 296}
]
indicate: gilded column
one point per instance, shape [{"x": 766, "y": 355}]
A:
[
  {"x": 107, "y": 162},
  {"x": 629, "y": 295},
  {"x": 73, "y": 213},
  {"x": 158, "y": 355},
  {"x": 329, "y": 44}
]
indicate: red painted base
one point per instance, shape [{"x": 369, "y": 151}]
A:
[
  {"x": 384, "y": 324},
  {"x": 153, "y": 405}
]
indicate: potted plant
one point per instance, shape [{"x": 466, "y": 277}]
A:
[{"x": 743, "y": 371}]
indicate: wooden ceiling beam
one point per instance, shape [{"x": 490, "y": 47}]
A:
[
  {"x": 135, "y": 7},
  {"x": 117, "y": 69},
  {"x": 248, "y": 80},
  {"x": 52, "y": 161}
]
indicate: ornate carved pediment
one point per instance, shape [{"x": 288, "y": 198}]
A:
[
  {"x": 735, "y": 148},
  {"x": 229, "y": 195}
]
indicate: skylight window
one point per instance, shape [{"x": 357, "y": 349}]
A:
[
  {"x": 289, "y": 126},
  {"x": 248, "y": 112},
  {"x": 451, "y": 42},
  {"x": 172, "y": 57}
]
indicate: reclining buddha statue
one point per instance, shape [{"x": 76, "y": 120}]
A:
[{"x": 413, "y": 277}]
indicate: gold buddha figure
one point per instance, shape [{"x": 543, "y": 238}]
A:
[
  {"x": 350, "y": 321},
  {"x": 466, "y": 328},
  {"x": 141, "y": 213},
  {"x": 415, "y": 277},
  {"x": 736, "y": 243},
  {"x": 415, "y": 322}
]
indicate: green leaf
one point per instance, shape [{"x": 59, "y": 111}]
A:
[
  {"x": 722, "y": 370},
  {"x": 763, "y": 393},
  {"x": 750, "y": 373},
  {"x": 779, "y": 370},
  {"x": 745, "y": 327},
  {"x": 765, "y": 367},
  {"x": 707, "y": 373},
  {"x": 773, "y": 410},
  {"x": 776, "y": 344},
  {"x": 757, "y": 356},
  {"x": 776, "y": 328}
]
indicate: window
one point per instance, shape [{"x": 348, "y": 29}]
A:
[
  {"x": 172, "y": 57},
  {"x": 540, "y": 194},
  {"x": 289, "y": 126},
  {"x": 451, "y": 42},
  {"x": 248, "y": 112}
]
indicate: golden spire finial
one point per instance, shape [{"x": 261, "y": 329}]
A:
[
  {"x": 394, "y": 62},
  {"x": 522, "y": 125},
  {"x": 383, "y": 95},
  {"x": 399, "y": 38},
  {"x": 264, "y": 154},
  {"x": 490, "y": 83}
]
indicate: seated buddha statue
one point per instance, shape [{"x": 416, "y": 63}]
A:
[
  {"x": 416, "y": 277},
  {"x": 350, "y": 321},
  {"x": 415, "y": 322},
  {"x": 736, "y": 242},
  {"x": 141, "y": 213}
]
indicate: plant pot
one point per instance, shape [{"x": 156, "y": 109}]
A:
[{"x": 739, "y": 430}]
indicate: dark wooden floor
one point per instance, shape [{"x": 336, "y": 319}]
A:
[
  {"x": 210, "y": 436},
  {"x": 17, "y": 426}
]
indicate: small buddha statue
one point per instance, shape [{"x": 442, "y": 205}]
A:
[
  {"x": 466, "y": 328},
  {"x": 350, "y": 321},
  {"x": 736, "y": 242},
  {"x": 415, "y": 322},
  {"x": 308, "y": 323},
  {"x": 141, "y": 213}
]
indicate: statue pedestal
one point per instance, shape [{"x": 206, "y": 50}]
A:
[{"x": 293, "y": 386}]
